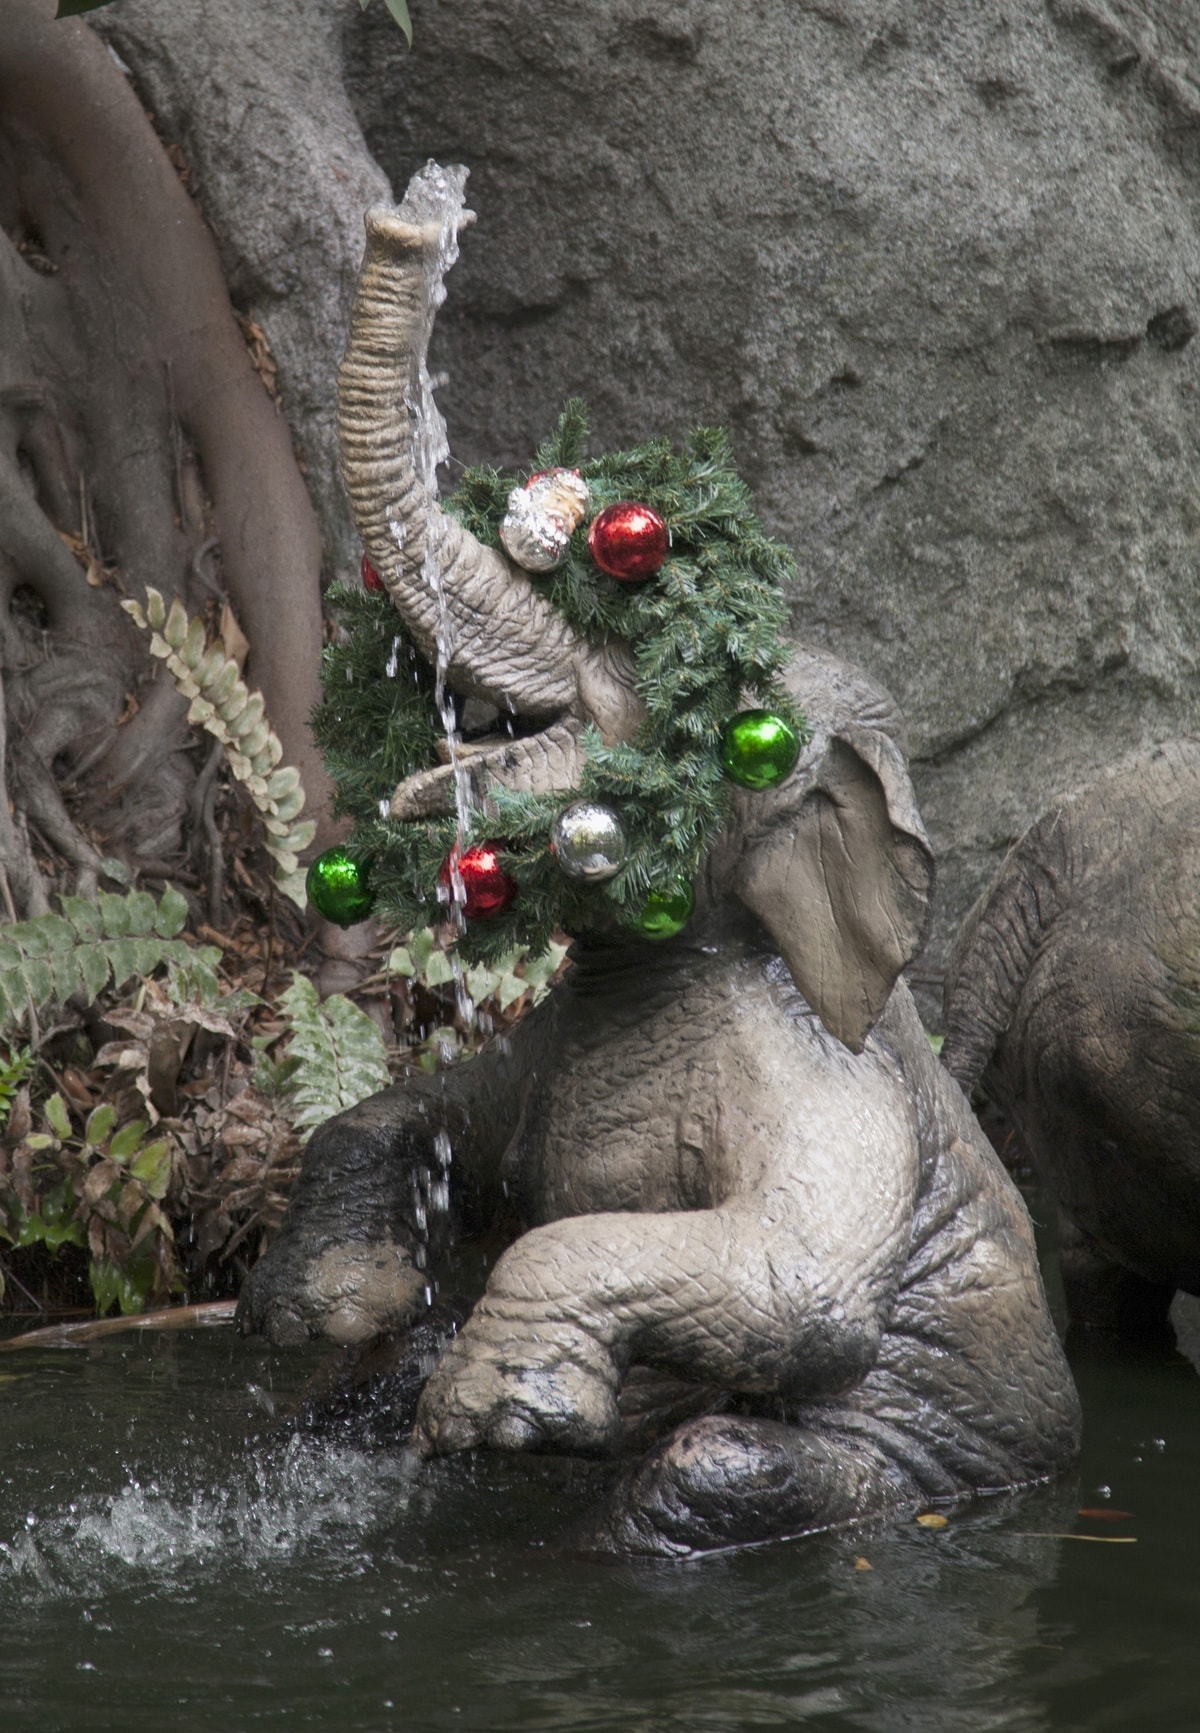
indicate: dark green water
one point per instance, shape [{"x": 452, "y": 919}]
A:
[{"x": 169, "y": 1560}]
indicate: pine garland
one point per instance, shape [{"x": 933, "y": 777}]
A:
[{"x": 706, "y": 636}]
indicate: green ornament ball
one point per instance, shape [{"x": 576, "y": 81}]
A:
[
  {"x": 337, "y": 888},
  {"x": 759, "y": 749},
  {"x": 666, "y": 912}
]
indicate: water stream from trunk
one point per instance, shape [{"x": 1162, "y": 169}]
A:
[{"x": 435, "y": 196}]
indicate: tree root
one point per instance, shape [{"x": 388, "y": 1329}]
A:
[
  {"x": 137, "y": 445},
  {"x": 203, "y": 1315}
]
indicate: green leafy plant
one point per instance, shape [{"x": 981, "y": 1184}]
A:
[
  {"x": 222, "y": 704},
  {"x": 92, "y": 944},
  {"x": 13, "y": 1072},
  {"x": 102, "y": 1189},
  {"x": 480, "y": 992},
  {"x": 338, "y": 1052}
]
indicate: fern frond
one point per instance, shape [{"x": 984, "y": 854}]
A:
[
  {"x": 340, "y": 1050},
  {"x": 91, "y": 944},
  {"x": 223, "y": 704}
]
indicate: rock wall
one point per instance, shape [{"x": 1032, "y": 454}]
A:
[{"x": 935, "y": 267}]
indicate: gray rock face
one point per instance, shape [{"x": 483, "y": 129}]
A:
[{"x": 934, "y": 267}]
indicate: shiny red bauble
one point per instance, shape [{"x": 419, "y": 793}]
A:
[
  {"x": 370, "y": 577},
  {"x": 487, "y": 888},
  {"x": 628, "y": 541}
]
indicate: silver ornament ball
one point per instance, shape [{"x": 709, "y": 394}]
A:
[
  {"x": 541, "y": 518},
  {"x": 588, "y": 841}
]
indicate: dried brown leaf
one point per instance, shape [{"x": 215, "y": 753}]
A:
[
  {"x": 120, "y": 1056},
  {"x": 74, "y": 1085},
  {"x": 237, "y": 645},
  {"x": 20, "y": 1120},
  {"x": 101, "y": 1176},
  {"x": 153, "y": 1221},
  {"x": 131, "y": 1200}
]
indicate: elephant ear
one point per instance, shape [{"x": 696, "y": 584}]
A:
[{"x": 841, "y": 874}]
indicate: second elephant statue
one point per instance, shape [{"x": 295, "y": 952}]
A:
[{"x": 1074, "y": 997}]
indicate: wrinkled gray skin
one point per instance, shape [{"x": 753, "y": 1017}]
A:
[
  {"x": 1074, "y": 996},
  {"x": 811, "y": 1232}
]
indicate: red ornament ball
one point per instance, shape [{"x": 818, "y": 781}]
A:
[
  {"x": 629, "y": 541},
  {"x": 370, "y": 577},
  {"x": 487, "y": 888}
]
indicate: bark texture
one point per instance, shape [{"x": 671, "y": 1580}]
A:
[
  {"x": 137, "y": 446},
  {"x": 284, "y": 177}
]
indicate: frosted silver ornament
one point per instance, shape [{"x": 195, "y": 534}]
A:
[
  {"x": 541, "y": 518},
  {"x": 588, "y": 841}
]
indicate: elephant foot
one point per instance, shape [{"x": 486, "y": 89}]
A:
[
  {"x": 1103, "y": 1295},
  {"x": 548, "y": 1386},
  {"x": 348, "y": 1293},
  {"x": 724, "y": 1481}
]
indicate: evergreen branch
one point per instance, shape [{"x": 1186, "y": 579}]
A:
[
  {"x": 223, "y": 705},
  {"x": 707, "y": 634}
]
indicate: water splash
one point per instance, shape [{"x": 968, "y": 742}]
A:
[{"x": 274, "y": 1508}]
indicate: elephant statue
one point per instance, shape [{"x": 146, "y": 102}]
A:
[
  {"x": 753, "y": 1233},
  {"x": 1073, "y": 996}
]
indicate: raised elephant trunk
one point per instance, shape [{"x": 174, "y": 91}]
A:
[
  {"x": 498, "y": 639},
  {"x": 999, "y": 943}
]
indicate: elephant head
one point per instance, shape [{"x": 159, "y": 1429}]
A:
[{"x": 834, "y": 863}]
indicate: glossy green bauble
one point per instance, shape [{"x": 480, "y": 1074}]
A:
[
  {"x": 666, "y": 912},
  {"x": 759, "y": 749},
  {"x": 337, "y": 888}
]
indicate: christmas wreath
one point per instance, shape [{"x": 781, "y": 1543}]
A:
[{"x": 668, "y": 557}]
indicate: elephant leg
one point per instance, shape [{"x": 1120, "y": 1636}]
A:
[
  {"x": 1103, "y": 1295},
  {"x": 725, "y": 1481},
  {"x": 381, "y": 1194},
  {"x": 781, "y": 1290}
]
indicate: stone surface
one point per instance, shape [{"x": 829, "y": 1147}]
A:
[{"x": 935, "y": 268}]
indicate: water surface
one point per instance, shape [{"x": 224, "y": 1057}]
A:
[{"x": 170, "y": 1557}]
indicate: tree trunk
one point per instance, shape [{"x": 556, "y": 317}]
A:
[{"x": 138, "y": 446}]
